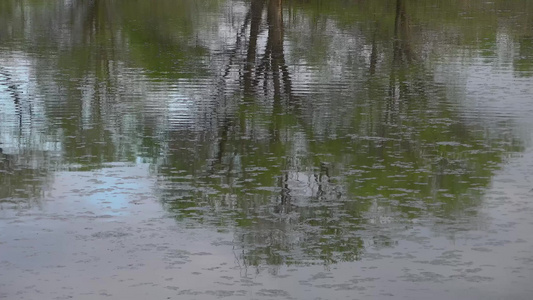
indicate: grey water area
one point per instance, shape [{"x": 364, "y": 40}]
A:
[{"x": 266, "y": 149}]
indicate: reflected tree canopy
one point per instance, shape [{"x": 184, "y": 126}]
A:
[{"x": 311, "y": 129}]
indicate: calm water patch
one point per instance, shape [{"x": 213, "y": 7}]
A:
[{"x": 266, "y": 149}]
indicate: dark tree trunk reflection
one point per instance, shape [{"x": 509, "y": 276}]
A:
[{"x": 402, "y": 36}]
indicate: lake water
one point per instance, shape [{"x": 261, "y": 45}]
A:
[{"x": 266, "y": 149}]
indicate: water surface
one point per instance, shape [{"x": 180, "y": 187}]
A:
[{"x": 266, "y": 149}]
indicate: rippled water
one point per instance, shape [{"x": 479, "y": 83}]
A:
[{"x": 266, "y": 149}]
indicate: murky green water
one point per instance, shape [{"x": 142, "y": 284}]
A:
[{"x": 266, "y": 149}]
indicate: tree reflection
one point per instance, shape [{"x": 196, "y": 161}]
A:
[
  {"x": 295, "y": 198},
  {"x": 23, "y": 177},
  {"x": 313, "y": 132}
]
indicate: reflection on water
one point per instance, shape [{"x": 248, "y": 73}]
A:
[{"x": 224, "y": 138}]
